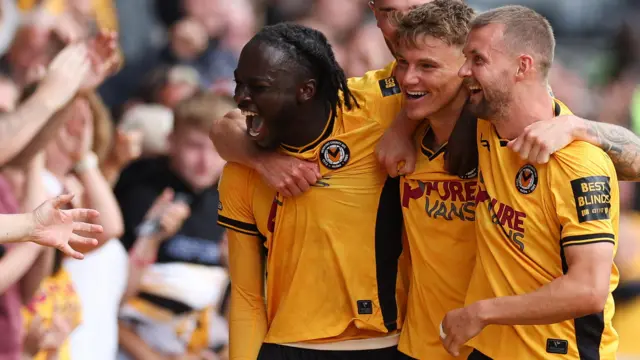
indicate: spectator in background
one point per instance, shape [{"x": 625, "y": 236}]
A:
[
  {"x": 367, "y": 50},
  {"x": 168, "y": 85},
  {"x": 154, "y": 122},
  {"x": 177, "y": 248}
]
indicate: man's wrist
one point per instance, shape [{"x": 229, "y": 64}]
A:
[
  {"x": 580, "y": 130},
  {"x": 485, "y": 311}
]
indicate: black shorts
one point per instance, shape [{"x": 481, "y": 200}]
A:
[
  {"x": 477, "y": 355},
  {"x": 280, "y": 352}
]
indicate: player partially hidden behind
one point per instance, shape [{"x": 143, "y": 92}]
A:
[
  {"x": 547, "y": 234},
  {"x": 332, "y": 265}
]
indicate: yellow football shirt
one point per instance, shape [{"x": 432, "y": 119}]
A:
[
  {"x": 525, "y": 217},
  {"x": 332, "y": 261},
  {"x": 56, "y": 296},
  {"x": 439, "y": 214}
]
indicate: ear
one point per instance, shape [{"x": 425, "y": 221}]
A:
[
  {"x": 307, "y": 90},
  {"x": 525, "y": 66}
]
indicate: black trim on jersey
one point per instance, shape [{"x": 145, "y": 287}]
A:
[
  {"x": 176, "y": 307},
  {"x": 588, "y": 328},
  {"x": 589, "y": 331},
  {"x": 426, "y": 151},
  {"x": 590, "y": 242},
  {"x": 477, "y": 355},
  {"x": 388, "y": 249},
  {"x": 602, "y": 237},
  {"x": 325, "y": 135},
  {"x": 504, "y": 143},
  {"x": 239, "y": 226}
]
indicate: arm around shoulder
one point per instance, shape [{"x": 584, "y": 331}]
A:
[{"x": 231, "y": 141}]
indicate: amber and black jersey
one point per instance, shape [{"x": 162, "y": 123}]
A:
[
  {"x": 332, "y": 252},
  {"x": 439, "y": 215},
  {"x": 527, "y": 215}
]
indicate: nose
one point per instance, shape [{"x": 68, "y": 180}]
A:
[
  {"x": 241, "y": 94},
  {"x": 410, "y": 77},
  {"x": 465, "y": 70}
]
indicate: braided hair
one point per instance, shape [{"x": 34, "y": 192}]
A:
[{"x": 311, "y": 50}]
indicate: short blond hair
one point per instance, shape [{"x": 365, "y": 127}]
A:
[
  {"x": 200, "y": 110},
  {"x": 446, "y": 20},
  {"x": 524, "y": 31}
]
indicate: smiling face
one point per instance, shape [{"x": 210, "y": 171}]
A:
[
  {"x": 266, "y": 92},
  {"x": 428, "y": 75},
  {"x": 489, "y": 72}
]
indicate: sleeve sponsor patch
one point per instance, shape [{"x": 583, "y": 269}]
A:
[
  {"x": 593, "y": 198},
  {"x": 389, "y": 86}
]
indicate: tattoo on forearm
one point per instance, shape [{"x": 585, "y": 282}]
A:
[{"x": 622, "y": 145}]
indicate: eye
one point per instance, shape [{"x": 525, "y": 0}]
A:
[
  {"x": 402, "y": 62},
  {"x": 427, "y": 66},
  {"x": 477, "y": 60}
]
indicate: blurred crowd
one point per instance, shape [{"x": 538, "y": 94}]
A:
[{"x": 129, "y": 137}]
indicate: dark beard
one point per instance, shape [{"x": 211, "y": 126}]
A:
[{"x": 490, "y": 109}]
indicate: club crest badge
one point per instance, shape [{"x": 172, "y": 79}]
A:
[
  {"x": 527, "y": 179},
  {"x": 334, "y": 154}
]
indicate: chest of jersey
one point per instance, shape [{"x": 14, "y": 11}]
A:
[{"x": 515, "y": 205}]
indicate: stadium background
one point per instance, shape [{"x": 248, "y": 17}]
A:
[{"x": 173, "y": 47}]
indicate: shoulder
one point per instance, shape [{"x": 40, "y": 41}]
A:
[
  {"x": 582, "y": 159},
  {"x": 380, "y": 83},
  {"x": 235, "y": 176}
]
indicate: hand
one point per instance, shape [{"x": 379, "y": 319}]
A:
[
  {"x": 127, "y": 147},
  {"x": 64, "y": 76},
  {"x": 460, "y": 326},
  {"x": 396, "y": 152},
  {"x": 171, "y": 215},
  {"x": 543, "y": 138},
  {"x": 105, "y": 59},
  {"x": 73, "y": 186},
  {"x": 55, "y": 228},
  {"x": 288, "y": 175}
]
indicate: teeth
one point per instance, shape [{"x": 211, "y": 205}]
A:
[
  {"x": 475, "y": 87},
  {"x": 417, "y": 93},
  {"x": 253, "y": 132},
  {"x": 248, "y": 113}
]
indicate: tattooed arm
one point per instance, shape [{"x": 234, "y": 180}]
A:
[
  {"x": 543, "y": 138},
  {"x": 622, "y": 145}
]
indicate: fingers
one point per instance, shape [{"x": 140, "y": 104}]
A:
[
  {"x": 82, "y": 215},
  {"x": 391, "y": 166},
  {"x": 61, "y": 200},
  {"x": 410, "y": 164},
  {"x": 69, "y": 251},
  {"x": 87, "y": 227}
]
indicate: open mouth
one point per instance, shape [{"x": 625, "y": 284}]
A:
[
  {"x": 415, "y": 95},
  {"x": 475, "y": 89},
  {"x": 255, "y": 124}
]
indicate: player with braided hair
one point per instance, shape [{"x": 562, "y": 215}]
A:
[{"x": 334, "y": 286}]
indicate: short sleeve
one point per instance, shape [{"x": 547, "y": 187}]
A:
[
  {"x": 235, "y": 208},
  {"x": 586, "y": 195},
  {"x": 379, "y": 93}
]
